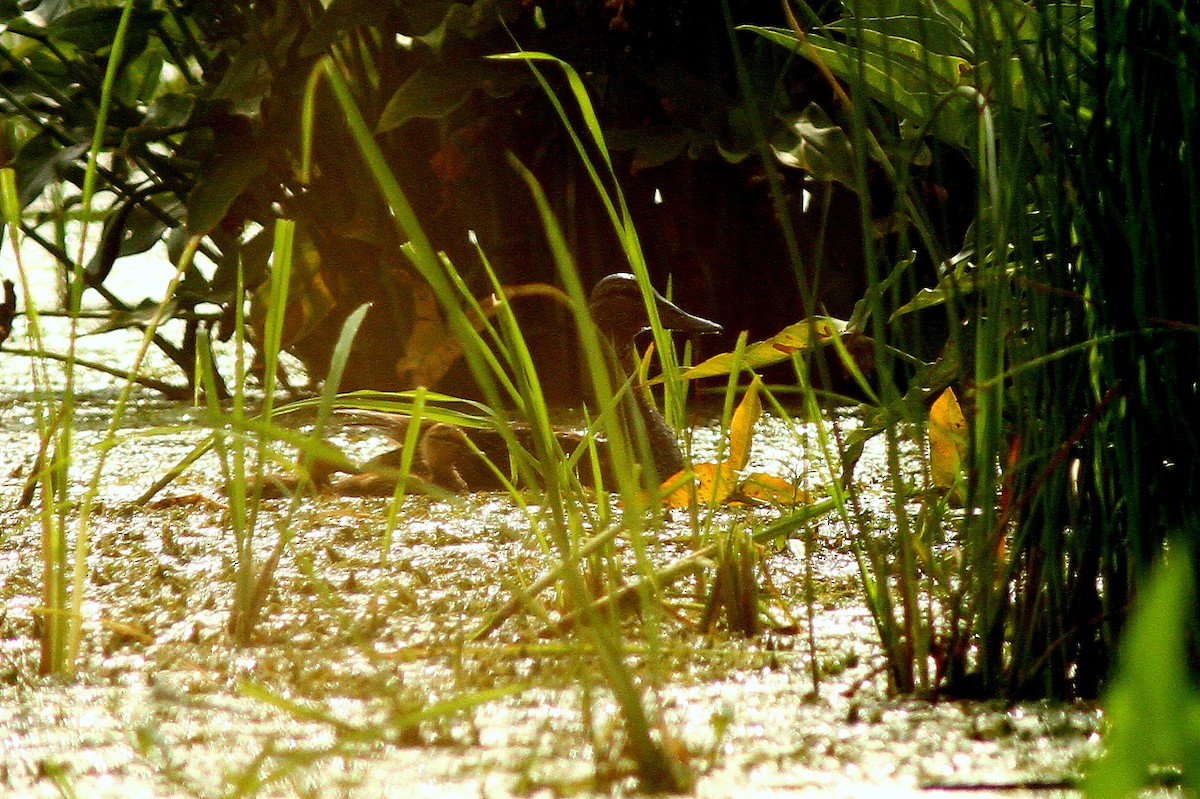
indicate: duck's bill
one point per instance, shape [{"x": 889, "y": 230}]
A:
[{"x": 675, "y": 318}]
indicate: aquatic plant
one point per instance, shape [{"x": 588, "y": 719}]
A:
[
  {"x": 1074, "y": 368},
  {"x": 1007, "y": 566},
  {"x": 63, "y": 557},
  {"x": 563, "y": 502},
  {"x": 1151, "y": 703},
  {"x": 202, "y": 141}
]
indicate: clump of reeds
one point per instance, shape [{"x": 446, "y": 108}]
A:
[{"x": 1073, "y": 318}]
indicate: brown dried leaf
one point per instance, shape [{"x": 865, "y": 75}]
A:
[{"x": 432, "y": 349}]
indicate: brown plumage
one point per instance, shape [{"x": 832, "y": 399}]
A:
[{"x": 446, "y": 456}]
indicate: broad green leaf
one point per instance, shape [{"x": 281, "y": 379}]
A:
[
  {"x": 897, "y": 72},
  {"x": 886, "y": 81},
  {"x": 24, "y": 27},
  {"x": 167, "y": 112},
  {"x": 435, "y": 90},
  {"x": 813, "y": 142},
  {"x": 467, "y": 21},
  {"x": 1011, "y": 75},
  {"x": 652, "y": 146},
  {"x": 937, "y": 34},
  {"x": 952, "y": 286},
  {"x": 247, "y": 79},
  {"x": 919, "y": 69},
  {"x": 341, "y": 16},
  {"x": 923, "y": 299},
  {"x": 232, "y": 170},
  {"x": 41, "y": 162},
  {"x": 129, "y": 229},
  {"x": 93, "y": 28},
  {"x": 1152, "y": 705}
]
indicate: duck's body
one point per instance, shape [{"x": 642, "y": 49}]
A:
[{"x": 457, "y": 459}]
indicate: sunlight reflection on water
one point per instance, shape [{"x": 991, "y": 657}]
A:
[{"x": 361, "y": 640}]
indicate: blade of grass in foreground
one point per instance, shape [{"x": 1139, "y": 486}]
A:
[
  {"x": 657, "y": 770},
  {"x": 245, "y": 617},
  {"x": 253, "y": 582},
  {"x": 615, "y": 206},
  {"x": 47, "y": 471},
  {"x": 63, "y": 623},
  {"x": 109, "y": 441}
]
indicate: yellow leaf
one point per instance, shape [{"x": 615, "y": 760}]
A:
[
  {"x": 804, "y": 335},
  {"x": 741, "y": 428},
  {"x": 947, "y": 440},
  {"x": 814, "y": 332},
  {"x": 711, "y": 485},
  {"x": 776, "y": 490}
]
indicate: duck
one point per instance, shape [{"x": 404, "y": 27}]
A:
[{"x": 460, "y": 460}]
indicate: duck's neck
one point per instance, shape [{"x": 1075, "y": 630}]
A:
[{"x": 641, "y": 419}]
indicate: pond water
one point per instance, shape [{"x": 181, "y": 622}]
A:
[{"x": 362, "y": 679}]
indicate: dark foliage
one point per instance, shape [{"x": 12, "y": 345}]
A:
[{"x": 215, "y": 151}]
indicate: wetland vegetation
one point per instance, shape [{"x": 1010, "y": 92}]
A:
[
  {"x": 364, "y": 675},
  {"x": 938, "y": 469}
]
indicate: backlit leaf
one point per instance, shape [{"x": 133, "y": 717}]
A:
[
  {"x": 711, "y": 484},
  {"x": 817, "y": 331},
  {"x": 432, "y": 349},
  {"x": 947, "y": 440},
  {"x": 741, "y": 429},
  {"x": 776, "y": 490},
  {"x": 714, "y": 484},
  {"x": 812, "y": 142}
]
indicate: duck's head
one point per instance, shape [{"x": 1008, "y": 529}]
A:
[{"x": 618, "y": 310}]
